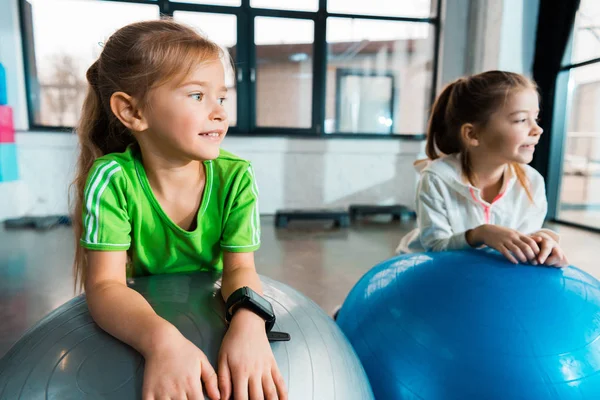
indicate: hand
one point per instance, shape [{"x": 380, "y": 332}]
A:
[
  {"x": 174, "y": 369},
  {"x": 511, "y": 243},
  {"x": 247, "y": 362},
  {"x": 550, "y": 252}
]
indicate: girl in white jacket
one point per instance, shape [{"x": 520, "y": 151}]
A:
[{"x": 476, "y": 188}]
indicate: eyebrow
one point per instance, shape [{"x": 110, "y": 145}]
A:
[
  {"x": 202, "y": 83},
  {"x": 522, "y": 111}
]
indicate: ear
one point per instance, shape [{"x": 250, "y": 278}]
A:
[
  {"x": 469, "y": 135},
  {"x": 126, "y": 109}
]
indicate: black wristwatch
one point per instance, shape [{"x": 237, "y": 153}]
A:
[{"x": 247, "y": 298}]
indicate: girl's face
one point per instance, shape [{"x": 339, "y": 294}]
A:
[
  {"x": 186, "y": 120},
  {"x": 512, "y": 132}
]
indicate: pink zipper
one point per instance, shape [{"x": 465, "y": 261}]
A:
[{"x": 487, "y": 209}]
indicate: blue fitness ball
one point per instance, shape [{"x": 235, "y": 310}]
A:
[{"x": 471, "y": 325}]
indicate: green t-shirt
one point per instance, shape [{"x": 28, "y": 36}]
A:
[{"x": 121, "y": 213}]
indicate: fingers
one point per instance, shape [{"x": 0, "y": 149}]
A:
[
  {"x": 279, "y": 382},
  {"x": 194, "y": 391},
  {"x": 255, "y": 388},
  {"x": 557, "y": 259},
  {"x": 545, "y": 250},
  {"x": 507, "y": 254},
  {"x": 516, "y": 250},
  {"x": 146, "y": 392},
  {"x": 224, "y": 379},
  {"x": 269, "y": 388},
  {"x": 524, "y": 243},
  {"x": 209, "y": 377},
  {"x": 532, "y": 244},
  {"x": 146, "y": 395},
  {"x": 240, "y": 387}
]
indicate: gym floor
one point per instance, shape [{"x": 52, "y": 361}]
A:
[{"x": 321, "y": 262}]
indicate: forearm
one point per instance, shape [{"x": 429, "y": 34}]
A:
[
  {"x": 239, "y": 271},
  {"x": 474, "y": 237},
  {"x": 237, "y": 277},
  {"x": 126, "y": 315}
]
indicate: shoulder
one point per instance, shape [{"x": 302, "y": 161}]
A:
[
  {"x": 442, "y": 171},
  {"x": 446, "y": 167},
  {"x": 232, "y": 165},
  {"x": 113, "y": 167},
  {"x": 532, "y": 174},
  {"x": 123, "y": 160},
  {"x": 226, "y": 157},
  {"x": 535, "y": 179}
]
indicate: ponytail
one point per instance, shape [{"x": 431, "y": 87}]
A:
[
  {"x": 99, "y": 133},
  {"x": 437, "y": 129}
]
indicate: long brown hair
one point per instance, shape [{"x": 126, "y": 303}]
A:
[
  {"x": 473, "y": 100},
  {"x": 135, "y": 59}
]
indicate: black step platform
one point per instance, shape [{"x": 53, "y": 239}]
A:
[
  {"x": 37, "y": 223},
  {"x": 397, "y": 211},
  {"x": 340, "y": 217}
]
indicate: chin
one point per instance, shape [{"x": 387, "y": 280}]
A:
[
  {"x": 208, "y": 154},
  {"x": 521, "y": 159}
]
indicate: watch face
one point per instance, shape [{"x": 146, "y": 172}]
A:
[{"x": 261, "y": 301}]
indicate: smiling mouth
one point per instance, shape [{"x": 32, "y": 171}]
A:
[{"x": 210, "y": 134}]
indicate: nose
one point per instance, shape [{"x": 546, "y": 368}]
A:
[
  {"x": 218, "y": 112},
  {"x": 537, "y": 130}
]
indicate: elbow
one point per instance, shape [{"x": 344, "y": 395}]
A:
[
  {"x": 436, "y": 245},
  {"x": 95, "y": 292}
]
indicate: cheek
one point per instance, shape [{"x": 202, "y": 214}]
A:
[
  {"x": 180, "y": 114},
  {"x": 508, "y": 139}
]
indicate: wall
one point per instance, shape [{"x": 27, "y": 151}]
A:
[
  {"x": 13, "y": 195},
  {"x": 291, "y": 172}
]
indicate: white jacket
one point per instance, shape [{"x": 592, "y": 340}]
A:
[{"x": 447, "y": 206}]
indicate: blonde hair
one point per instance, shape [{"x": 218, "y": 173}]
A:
[
  {"x": 135, "y": 59},
  {"x": 471, "y": 100}
]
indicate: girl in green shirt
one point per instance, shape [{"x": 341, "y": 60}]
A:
[{"x": 155, "y": 192}]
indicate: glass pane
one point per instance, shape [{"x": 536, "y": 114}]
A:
[
  {"x": 222, "y": 29},
  {"x": 580, "y": 186},
  {"x": 296, "y": 5},
  {"x": 284, "y": 64},
  {"x": 67, "y": 38},
  {"x": 386, "y": 8},
  {"x": 586, "y": 39},
  {"x": 233, "y": 3},
  {"x": 379, "y": 76}
]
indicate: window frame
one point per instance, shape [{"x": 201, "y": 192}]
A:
[
  {"x": 558, "y": 136},
  {"x": 245, "y": 64}
]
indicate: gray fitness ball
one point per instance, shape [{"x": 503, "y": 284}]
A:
[{"x": 67, "y": 356}]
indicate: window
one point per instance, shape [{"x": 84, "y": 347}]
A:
[
  {"x": 580, "y": 186},
  {"x": 233, "y": 3},
  {"x": 379, "y": 76},
  {"x": 586, "y": 34},
  {"x": 284, "y": 66},
  {"x": 386, "y": 8},
  {"x": 298, "y": 67},
  {"x": 300, "y": 5},
  {"x": 578, "y": 87},
  {"x": 66, "y": 37}
]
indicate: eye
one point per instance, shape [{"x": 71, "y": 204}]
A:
[
  {"x": 222, "y": 100},
  {"x": 197, "y": 96}
]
